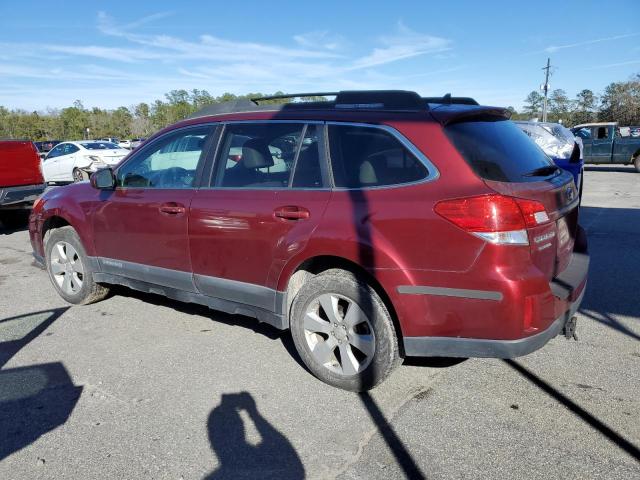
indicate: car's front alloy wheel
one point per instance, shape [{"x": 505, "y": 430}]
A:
[
  {"x": 70, "y": 269},
  {"x": 66, "y": 267}
]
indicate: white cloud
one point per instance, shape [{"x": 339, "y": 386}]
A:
[
  {"x": 555, "y": 48},
  {"x": 132, "y": 64},
  {"x": 319, "y": 39},
  {"x": 404, "y": 44}
]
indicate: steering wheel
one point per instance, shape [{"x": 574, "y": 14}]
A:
[{"x": 176, "y": 177}]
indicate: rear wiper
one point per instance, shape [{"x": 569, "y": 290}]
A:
[{"x": 542, "y": 171}]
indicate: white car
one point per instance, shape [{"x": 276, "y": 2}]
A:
[
  {"x": 125, "y": 144},
  {"x": 75, "y": 161}
]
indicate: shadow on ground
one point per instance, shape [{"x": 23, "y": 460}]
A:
[
  {"x": 35, "y": 399},
  {"x": 271, "y": 457},
  {"x": 611, "y": 285}
]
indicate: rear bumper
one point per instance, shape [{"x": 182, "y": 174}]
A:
[
  {"x": 20, "y": 197},
  {"x": 567, "y": 289},
  {"x": 472, "y": 347}
]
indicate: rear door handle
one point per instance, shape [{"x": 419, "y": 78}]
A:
[
  {"x": 172, "y": 208},
  {"x": 291, "y": 213}
]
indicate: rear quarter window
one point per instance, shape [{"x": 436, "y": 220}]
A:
[{"x": 498, "y": 150}]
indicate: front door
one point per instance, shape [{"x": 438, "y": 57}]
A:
[
  {"x": 141, "y": 228},
  {"x": 602, "y": 144},
  {"x": 269, "y": 191}
]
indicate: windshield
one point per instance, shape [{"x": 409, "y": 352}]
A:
[
  {"x": 99, "y": 146},
  {"x": 499, "y": 150}
]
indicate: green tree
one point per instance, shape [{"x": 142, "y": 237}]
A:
[
  {"x": 559, "y": 106},
  {"x": 533, "y": 104},
  {"x": 620, "y": 102},
  {"x": 585, "y": 107}
]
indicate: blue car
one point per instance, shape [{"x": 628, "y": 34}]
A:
[{"x": 559, "y": 143}]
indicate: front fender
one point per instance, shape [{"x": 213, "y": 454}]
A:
[{"x": 73, "y": 205}]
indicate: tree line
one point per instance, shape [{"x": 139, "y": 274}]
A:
[
  {"x": 138, "y": 121},
  {"x": 619, "y": 102}
]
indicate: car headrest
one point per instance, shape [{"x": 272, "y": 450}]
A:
[
  {"x": 367, "y": 174},
  {"x": 256, "y": 154}
]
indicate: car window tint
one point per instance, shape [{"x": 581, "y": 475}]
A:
[
  {"x": 498, "y": 150},
  {"x": 169, "y": 162},
  {"x": 259, "y": 155},
  {"x": 55, "y": 152},
  {"x": 370, "y": 157},
  {"x": 584, "y": 133},
  {"x": 308, "y": 172}
]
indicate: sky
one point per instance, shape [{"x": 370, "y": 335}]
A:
[{"x": 109, "y": 54}]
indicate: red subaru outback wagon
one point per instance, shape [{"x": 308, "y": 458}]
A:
[{"x": 375, "y": 226}]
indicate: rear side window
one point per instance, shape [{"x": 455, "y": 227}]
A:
[
  {"x": 498, "y": 150},
  {"x": 371, "y": 157},
  {"x": 265, "y": 155}
]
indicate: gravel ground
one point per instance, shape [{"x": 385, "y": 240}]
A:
[{"x": 138, "y": 386}]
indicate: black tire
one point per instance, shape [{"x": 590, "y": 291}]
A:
[
  {"x": 14, "y": 219},
  {"x": 349, "y": 288},
  {"x": 79, "y": 175},
  {"x": 89, "y": 291},
  {"x": 636, "y": 163}
]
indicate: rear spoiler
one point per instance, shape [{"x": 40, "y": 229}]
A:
[{"x": 448, "y": 114}]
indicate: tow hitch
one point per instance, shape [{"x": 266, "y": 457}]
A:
[{"x": 569, "y": 329}]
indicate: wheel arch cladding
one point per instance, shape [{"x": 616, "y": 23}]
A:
[{"x": 313, "y": 266}]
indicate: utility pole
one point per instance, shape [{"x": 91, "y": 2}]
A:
[{"x": 545, "y": 88}]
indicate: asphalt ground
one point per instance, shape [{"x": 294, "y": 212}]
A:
[{"x": 138, "y": 386}]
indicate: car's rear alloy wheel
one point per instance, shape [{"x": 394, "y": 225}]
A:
[
  {"x": 70, "y": 268},
  {"x": 78, "y": 175},
  {"x": 339, "y": 334},
  {"x": 343, "y": 331},
  {"x": 66, "y": 268}
]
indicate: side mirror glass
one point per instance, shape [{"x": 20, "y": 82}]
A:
[{"x": 103, "y": 179}]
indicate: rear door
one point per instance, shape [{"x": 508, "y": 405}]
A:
[
  {"x": 67, "y": 162},
  {"x": 268, "y": 192},
  {"x": 141, "y": 228}
]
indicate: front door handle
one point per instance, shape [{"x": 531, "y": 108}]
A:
[
  {"x": 172, "y": 208},
  {"x": 291, "y": 213}
]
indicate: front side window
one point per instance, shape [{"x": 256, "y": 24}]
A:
[
  {"x": 169, "y": 162},
  {"x": 55, "y": 152},
  {"x": 371, "y": 157},
  {"x": 264, "y": 155}
]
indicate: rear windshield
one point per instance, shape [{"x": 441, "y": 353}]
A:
[
  {"x": 499, "y": 150},
  {"x": 99, "y": 146}
]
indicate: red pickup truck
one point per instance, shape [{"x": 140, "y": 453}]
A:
[{"x": 21, "y": 180}]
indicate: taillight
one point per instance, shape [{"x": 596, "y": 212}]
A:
[{"x": 496, "y": 218}]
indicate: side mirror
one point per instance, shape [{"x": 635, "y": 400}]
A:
[{"x": 103, "y": 179}]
